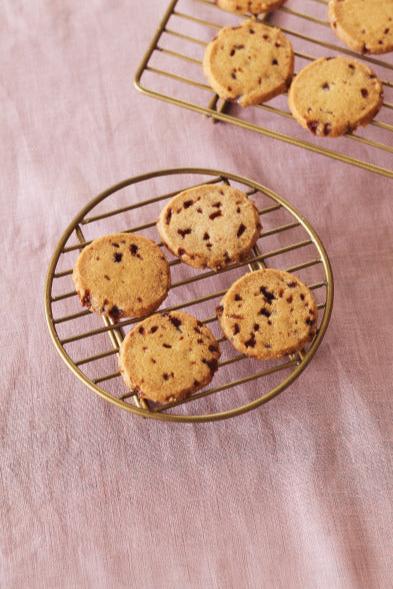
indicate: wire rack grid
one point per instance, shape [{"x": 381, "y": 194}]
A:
[
  {"x": 288, "y": 241},
  {"x": 171, "y": 70}
]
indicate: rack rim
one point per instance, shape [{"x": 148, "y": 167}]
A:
[{"x": 173, "y": 417}]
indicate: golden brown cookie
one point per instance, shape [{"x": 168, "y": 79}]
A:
[
  {"x": 122, "y": 275},
  {"x": 333, "y": 96},
  {"x": 168, "y": 357},
  {"x": 250, "y": 63},
  {"x": 366, "y": 26},
  {"x": 249, "y": 6},
  {"x": 268, "y": 314},
  {"x": 210, "y": 225}
]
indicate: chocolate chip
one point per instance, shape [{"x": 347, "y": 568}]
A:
[
  {"x": 292, "y": 284},
  {"x": 166, "y": 346},
  {"x": 134, "y": 249},
  {"x": 274, "y": 62},
  {"x": 290, "y": 299},
  {"x": 327, "y": 129},
  {"x": 141, "y": 330},
  {"x": 219, "y": 310},
  {"x": 302, "y": 296},
  {"x": 364, "y": 92},
  {"x": 199, "y": 210},
  {"x": 351, "y": 66},
  {"x": 238, "y": 210},
  {"x": 265, "y": 312},
  {"x": 184, "y": 232},
  {"x": 386, "y": 31},
  {"x": 154, "y": 329},
  {"x": 227, "y": 258},
  {"x": 197, "y": 330},
  {"x": 212, "y": 364},
  {"x": 165, "y": 376},
  {"x": 188, "y": 203},
  {"x": 215, "y": 215},
  {"x": 168, "y": 216},
  {"x": 256, "y": 326},
  {"x": 313, "y": 126},
  {"x": 233, "y": 75},
  {"x": 236, "y": 329},
  {"x": 115, "y": 313},
  {"x": 269, "y": 296},
  {"x": 232, "y": 53},
  {"x": 106, "y": 277},
  {"x": 241, "y": 230},
  {"x": 251, "y": 31},
  {"x": 267, "y": 346},
  {"x": 217, "y": 205},
  {"x": 213, "y": 348},
  {"x": 86, "y": 300},
  {"x": 117, "y": 257},
  {"x": 181, "y": 251},
  {"x": 250, "y": 343},
  {"x": 310, "y": 321},
  {"x": 209, "y": 246},
  {"x": 238, "y": 297},
  {"x": 196, "y": 383},
  {"x": 199, "y": 340},
  {"x": 175, "y": 321},
  {"x": 115, "y": 244}
]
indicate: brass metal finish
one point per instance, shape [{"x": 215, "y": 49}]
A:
[
  {"x": 209, "y": 104},
  {"x": 80, "y": 356}
]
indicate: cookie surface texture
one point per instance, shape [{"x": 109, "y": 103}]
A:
[
  {"x": 249, "y": 6},
  {"x": 366, "y": 26},
  {"x": 122, "y": 275},
  {"x": 210, "y": 225},
  {"x": 268, "y": 314},
  {"x": 168, "y": 356},
  {"x": 251, "y": 63},
  {"x": 333, "y": 96}
]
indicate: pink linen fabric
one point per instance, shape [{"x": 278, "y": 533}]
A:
[{"x": 295, "y": 495}]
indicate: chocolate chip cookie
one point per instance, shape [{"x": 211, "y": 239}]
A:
[
  {"x": 122, "y": 275},
  {"x": 210, "y": 225},
  {"x": 250, "y": 63},
  {"x": 333, "y": 96},
  {"x": 268, "y": 314},
  {"x": 365, "y": 26},
  {"x": 168, "y": 356}
]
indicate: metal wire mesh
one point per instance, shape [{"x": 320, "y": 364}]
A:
[
  {"x": 171, "y": 71},
  {"x": 288, "y": 241}
]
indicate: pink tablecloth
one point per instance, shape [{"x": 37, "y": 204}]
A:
[{"x": 297, "y": 494}]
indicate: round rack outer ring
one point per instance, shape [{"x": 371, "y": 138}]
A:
[{"x": 171, "y": 416}]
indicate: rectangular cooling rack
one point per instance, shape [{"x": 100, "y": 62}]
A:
[
  {"x": 171, "y": 71},
  {"x": 288, "y": 242}
]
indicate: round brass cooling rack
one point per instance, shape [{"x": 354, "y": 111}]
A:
[{"x": 288, "y": 239}]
